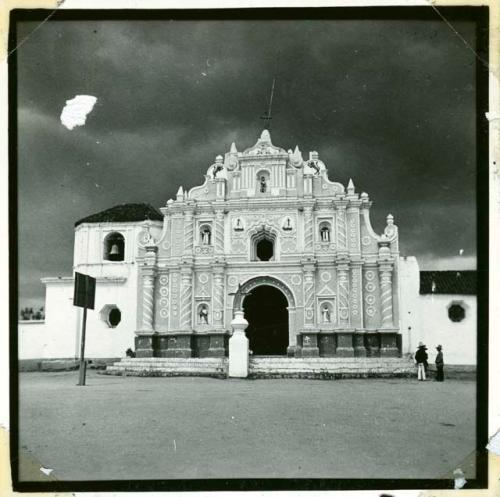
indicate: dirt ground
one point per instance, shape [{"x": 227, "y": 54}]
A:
[{"x": 161, "y": 428}]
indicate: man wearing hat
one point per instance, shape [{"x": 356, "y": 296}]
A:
[
  {"x": 421, "y": 359},
  {"x": 439, "y": 364}
]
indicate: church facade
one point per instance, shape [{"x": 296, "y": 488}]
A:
[{"x": 269, "y": 233}]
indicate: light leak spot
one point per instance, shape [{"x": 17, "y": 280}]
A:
[{"x": 76, "y": 110}]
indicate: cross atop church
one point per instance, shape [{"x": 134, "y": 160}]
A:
[{"x": 267, "y": 114}]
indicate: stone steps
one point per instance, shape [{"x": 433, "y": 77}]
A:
[
  {"x": 171, "y": 366},
  {"x": 267, "y": 367},
  {"x": 329, "y": 367}
]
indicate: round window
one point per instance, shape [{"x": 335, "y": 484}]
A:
[
  {"x": 114, "y": 317},
  {"x": 456, "y": 313}
]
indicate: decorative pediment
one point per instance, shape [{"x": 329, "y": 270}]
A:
[{"x": 264, "y": 147}]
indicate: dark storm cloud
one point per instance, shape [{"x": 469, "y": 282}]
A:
[{"x": 389, "y": 103}]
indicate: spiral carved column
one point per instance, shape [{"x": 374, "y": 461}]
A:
[
  {"x": 144, "y": 338},
  {"x": 343, "y": 293},
  {"x": 341, "y": 227},
  {"x": 219, "y": 232},
  {"x": 308, "y": 229},
  {"x": 188, "y": 232},
  {"x": 186, "y": 298},
  {"x": 218, "y": 295},
  {"x": 386, "y": 296},
  {"x": 309, "y": 298},
  {"x": 148, "y": 286}
]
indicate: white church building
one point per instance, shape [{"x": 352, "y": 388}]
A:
[{"x": 269, "y": 233}]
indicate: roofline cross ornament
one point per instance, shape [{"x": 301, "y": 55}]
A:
[{"x": 267, "y": 115}]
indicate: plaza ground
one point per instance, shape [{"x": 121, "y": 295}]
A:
[{"x": 160, "y": 428}]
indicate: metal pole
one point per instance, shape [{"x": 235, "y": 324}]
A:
[
  {"x": 82, "y": 369},
  {"x": 81, "y": 381}
]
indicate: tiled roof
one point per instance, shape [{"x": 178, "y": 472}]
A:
[
  {"x": 448, "y": 282},
  {"x": 124, "y": 213}
]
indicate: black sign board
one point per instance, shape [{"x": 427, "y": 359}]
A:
[{"x": 84, "y": 295}]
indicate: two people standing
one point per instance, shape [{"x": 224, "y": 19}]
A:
[{"x": 421, "y": 357}]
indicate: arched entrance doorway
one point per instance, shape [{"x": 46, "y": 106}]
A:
[{"x": 266, "y": 311}]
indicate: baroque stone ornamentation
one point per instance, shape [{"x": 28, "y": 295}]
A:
[
  {"x": 366, "y": 240},
  {"x": 266, "y": 217}
]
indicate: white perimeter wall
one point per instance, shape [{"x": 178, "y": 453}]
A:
[
  {"x": 459, "y": 340},
  {"x": 424, "y": 318}
]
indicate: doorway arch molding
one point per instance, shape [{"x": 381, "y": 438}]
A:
[{"x": 256, "y": 281}]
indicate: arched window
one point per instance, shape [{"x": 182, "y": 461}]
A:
[
  {"x": 325, "y": 232},
  {"x": 263, "y": 246},
  {"x": 206, "y": 234},
  {"x": 114, "y": 247}
]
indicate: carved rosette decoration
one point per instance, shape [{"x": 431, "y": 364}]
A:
[
  {"x": 343, "y": 292},
  {"x": 204, "y": 250},
  {"x": 325, "y": 247},
  {"x": 386, "y": 296},
  {"x": 370, "y": 288},
  {"x": 164, "y": 294}
]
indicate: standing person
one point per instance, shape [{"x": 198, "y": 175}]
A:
[
  {"x": 421, "y": 358},
  {"x": 439, "y": 364}
]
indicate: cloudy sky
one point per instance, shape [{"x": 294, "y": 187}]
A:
[{"x": 390, "y": 103}]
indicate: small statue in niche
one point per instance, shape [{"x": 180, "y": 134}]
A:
[
  {"x": 205, "y": 236},
  {"x": 325, "y": 234},
  {"x": 287, "y": 226},
  {"x": 203, "y": 314},
  {"x": 325, "y": 312},
  {"x": 263, "y": 184}
]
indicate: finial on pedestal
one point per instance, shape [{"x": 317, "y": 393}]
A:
[
  {"x": 180, "y": 193},
  {"x": 265, "y": 136},
  {"x": 233, "y": 149},
  {"x": 391, "y": 230},
  {"x": 350, "y": 187},
  {"x": 296, "y": 157}
]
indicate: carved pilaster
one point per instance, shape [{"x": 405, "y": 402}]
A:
[
  {"x": 385, "y": 274},
  {"x": 343, "y": 294},
  {"x": 188, "y": 232},
  {"x": 356, "y": 296},
  {"x": 219, "y": 231},
  {"x": 308, "y": 229},
  {"x": 218, "y": 295},
  {"x": 186, "y": 298},
  {"x": 309, "y": 294},
  {"x": 148, "y": 287},
  {"x": 341, "y": 227}
]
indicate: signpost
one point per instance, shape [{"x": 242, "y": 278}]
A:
[{"x": 84, "y": 296}]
